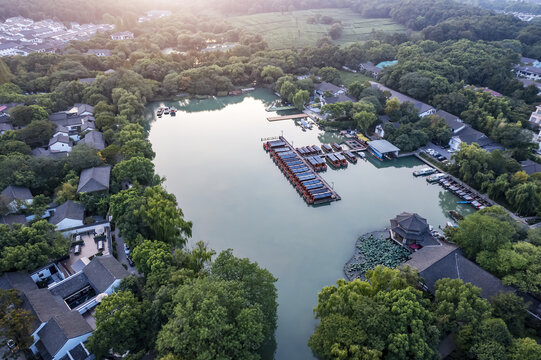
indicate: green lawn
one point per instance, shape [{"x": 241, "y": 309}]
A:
[
  {"x": 290, "y": 29},
  {"x": 349, "y": 78}
]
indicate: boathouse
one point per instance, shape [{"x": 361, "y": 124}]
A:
[
  {"x": 411, "y": 229},
  {"x": 382, "y": 149}
]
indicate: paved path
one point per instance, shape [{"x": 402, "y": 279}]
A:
[{"x": 122, "y": 255}]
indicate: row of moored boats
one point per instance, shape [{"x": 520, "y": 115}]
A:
[
  {"x": 164, "y": 110},
  {"x": 467, "y": 196}
]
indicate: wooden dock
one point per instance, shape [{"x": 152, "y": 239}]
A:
[
  {"x": 287, "y": 117},
  {"x": 303, "y": 159}
]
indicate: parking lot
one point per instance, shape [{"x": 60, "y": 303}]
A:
[{"x": 435, "y": 150}]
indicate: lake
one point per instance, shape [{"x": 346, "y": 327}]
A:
[{"x": 212, "y": 156}]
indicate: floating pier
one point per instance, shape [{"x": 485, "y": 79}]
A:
[
  {"x": 287, "y": 117},
  {"x": 301, "y": 172}
]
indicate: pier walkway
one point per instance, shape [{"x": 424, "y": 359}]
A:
[{"x": 288, "y": 117}]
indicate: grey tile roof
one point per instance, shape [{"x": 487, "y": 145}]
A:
[
  {"x": 469, "y": 135},
  {"x": 325, "y": 86},
  {"x": 369, "y": 66},
  {"x": 12, "y": 219},
  {"x": 70, "y": 285},
  {"x": 61, "y": 328},
  {"x": 44, "y": 304},
  {"x": 61, "y": 139},
  {"x": 428, "y": 255},
  {"x": 103, "y": 271},
  {"x": 339, "y": 98},
  {"x": 94, "y": 179},
  {"x": 94, "y": 139},
  {"x": 17, "y": 193},
  {"x": 78, "y": 353},
  {"x": 68, "y": 210},
  {"x": 530, "y": 167},
  {"x": 5, "y": 127},
  {"x": 103, "y": 52},
  {"x": 87, "y": 80},
  {"x": 17, "y": 280},
  {"x": 453, "y": 121},
  {"x": 529, "y": 69},
  {"x": 456, "y": 266},
  {"x": 410, "y": 226},
  {"x": 420, "y": 106}
]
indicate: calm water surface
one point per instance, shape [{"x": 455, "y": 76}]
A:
[{"x": 212, "y": 156}]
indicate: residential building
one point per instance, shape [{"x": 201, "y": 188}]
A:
[
  {"x": 17, "y": 197},
  {"x": 535, "y": 118},
  {"x": 94, "y": 179},
  {"x": 324, "y": 86},
  {"x": 422, "y": 108},
  {"x": 61, "y": 130},
  {"x": 528, "y": 82},
  {"x": 337, "y": 99},
  {"x": 60, "y": 143},
  {"x": 370, "y": 68},
  {"x": 94, "y": 139},
  {"x": 453, "y": 121},
  {"x": 5, "y": 127},
  {"x": 9, "y": 49},
  {"x": 68, "y": 215},
  {"x": 87, "y": 81},
  {"x": 60, "y": 330},
  {"x": 530, "y": 167},
  {"x": 125, "y": 35},
  {"x": 529, "y": 72},
  {"x": 99, "y": 52},
  {"x": 12, "y": 219}
]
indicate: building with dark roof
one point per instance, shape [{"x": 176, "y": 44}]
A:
[
  {"x": 68, "y": 215},
  {"x": 12, "y": 219},
  {"x": 60, "y": 143},
  {"x": 94, "y": 179},
  {"x": 338, "y": 99},
  {"x": 529, "y": 72},
  {"x": 324, "y": 86},
  {"x": 454, "y": 265},
  {"x": 422, "y": 108},
  {"x": 453, "y": 121},
  {"x": 59, "y": 326},
  {"x": 469, "y": 136},
  {"x": 99, "y": 52},
  {"x": 17, "y": 197},
  {"x": 370, "y": 68},
  {"x": 94, "y": 139},
  {"x": 530, "y": 167},
  {"x": 411, "y": 228}
]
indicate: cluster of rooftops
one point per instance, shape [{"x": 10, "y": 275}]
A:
[{"x": 63, "y": 310}]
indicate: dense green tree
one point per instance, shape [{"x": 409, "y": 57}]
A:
[
  {"x": 479, "y": 233},
  {"x": 24, "y": 115},
  {"x": 330, "y": 74},
  {"x": 83, "y": 157},
  {"x": 136, "y": 169},
  {"x": 257, "y": 283},
  {"x": 213, "y": 320},
  {"x": 120, "y": 325},
  {"x": 300, "y": 98},
  {"x": 366, "y": 319},
  {"x": 152, "y": 256},
  {"x": 16, "y": 322},
  {"x": 28, "y": 247},
  {"x": 511, "y": 309},
  {"x": 163, "y": 217},
  {"x": 525, "y": 349},
  {"x": 457, "y": 303}
]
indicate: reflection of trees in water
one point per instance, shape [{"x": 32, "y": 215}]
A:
[
  {"x": 448, "y": 201},
  {"x": 211, "y": 104},
  {"x": 268, "y": 349},
  {"x": 328, "y": 137},
  {"x": 405, "y": 162}
]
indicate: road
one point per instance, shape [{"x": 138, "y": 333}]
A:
[{"x": 122, "y": 255}]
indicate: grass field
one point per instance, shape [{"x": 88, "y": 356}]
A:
[
  {"x": 290, "y": 29},
  {"x": 348, "y": 77}
]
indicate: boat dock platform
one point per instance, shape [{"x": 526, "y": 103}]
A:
[
  {"x": 300, "y": 173},
  {"x": 288, "y": 117}
]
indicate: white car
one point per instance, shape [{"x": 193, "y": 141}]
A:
[{"x": 126, "y": 250}]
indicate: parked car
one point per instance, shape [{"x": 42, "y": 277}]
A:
[
  {"x": 130, "y": 261},
  {"x": 12, "y": 346},
  {"x": 126, "y": 249}
]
